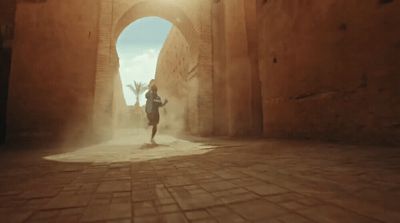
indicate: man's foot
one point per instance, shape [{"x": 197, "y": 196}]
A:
[{"x": 152, "y": 141}]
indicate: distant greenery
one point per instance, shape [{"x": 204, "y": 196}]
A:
[{"x": 138, "y": 89}]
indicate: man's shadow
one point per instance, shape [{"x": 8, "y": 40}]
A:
[{"x": 153, "y": 145}]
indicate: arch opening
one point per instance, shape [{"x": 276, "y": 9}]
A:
[
  {"x": 138, "y": 48},
  {"x": 107, "y": 101},
  {"x": 170, "y": 63}
]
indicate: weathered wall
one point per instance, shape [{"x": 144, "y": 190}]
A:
[
  {"x": 172, "y": 76},
  {"x": 331, "y": 69},
  {"x": 7, "y": 14},
  {"x": 7, "y": 11},
  {"x": 65, "y": 63},
  {"x": 53, "y": 68},
  {"x": 237, "y": 93}
]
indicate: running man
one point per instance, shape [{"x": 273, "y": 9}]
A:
[{"x": 153, "y": 103}]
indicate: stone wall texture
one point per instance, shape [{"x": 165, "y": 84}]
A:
[
  {"x": 7, "y": 14},
  {"x": 279, "y": 68},
  {"x": 7, "y": 11},
  {"x": 330, "y": 69},
  {"x": 237, "y": 95},
  {"x": 52, "y": 77},
  {"x": 172, "y": 77},
  {"x": 64, "y": 78}
]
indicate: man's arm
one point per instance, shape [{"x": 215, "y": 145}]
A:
[
  {"x": 158, "y": 101},
  {"x": 165, "y": 102}
]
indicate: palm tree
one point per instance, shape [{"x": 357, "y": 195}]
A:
[{"x": 138, "y": 89}]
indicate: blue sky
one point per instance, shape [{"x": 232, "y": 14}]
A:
[{"x": 138, "y": 48}]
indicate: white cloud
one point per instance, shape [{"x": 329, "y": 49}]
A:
[{"x": 137, "y": 67}]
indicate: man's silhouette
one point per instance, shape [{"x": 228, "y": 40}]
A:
[{"x": 153, "y": 104}]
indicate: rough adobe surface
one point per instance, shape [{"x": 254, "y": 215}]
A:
[
  {"x": 237, "y": 94},
  {"x": 52, "y": 79},
  {"x": 7, "y": 11},
  {"x": 327, "y": 69},
  {"x": 7, "y": 14},
  {"x": 174, "y": 67},
  {"x": 65, "y": 64},
  {"x": 330, "y": 69}
]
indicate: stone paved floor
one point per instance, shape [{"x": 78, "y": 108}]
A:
[{"x": 127, "y": 180}]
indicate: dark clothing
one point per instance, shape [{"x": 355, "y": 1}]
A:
[
  {"x": 153, "y": 104},
  {"x": 154, "y": 118}
]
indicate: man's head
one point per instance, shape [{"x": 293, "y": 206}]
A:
[
  {"x": 154, "y": 88},
  {"x": 152, "y": 82}
]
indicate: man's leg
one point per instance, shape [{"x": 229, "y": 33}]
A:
[{"x": 154, "y": 132}]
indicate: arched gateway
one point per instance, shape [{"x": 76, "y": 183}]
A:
[{"x": 187, "y": 16}]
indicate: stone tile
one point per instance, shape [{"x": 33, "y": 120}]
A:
[
  {"x": 178, "y": 181},
  {"x": 247, "y": 183},
  {"x": 227, "y": 175},
  {"x": 291, "y": 218},
  {"x": 95, "y": 213},
  {"x": 258, "y": 209},
  {"x": 231, "y": 218},
  {"x": 281, "y": 198},
  {"x": 35, "y": 204},
  {"x": 308, "y": 201},
  {"x": 293, "y": 205},
  {"x": 72, "y": 211},
  {"x": 139, "y": 212},
  {"x": 171, "y": 208},
  {"x": 41, "y": 192},
  {"x": 148, "y": 219},
  {"x": 372, "y": 209},
  {"x": 144, "y": 195},
  {"x": 174, "y": 218},
  {"x": 218, "y": 186},
  {"x": 270, "y": 221},
  {"x": 14, "y": 216},
  {"x": 205, "y": 221},
  {"x": 121, "y": 197},
  {"x": 107, "y": 212},
  {"x": 120, "y": 221},
  {"x": 198, "y": 191},
  {"x": 266, "y": 189},
  {"x": 116, "y": 200},
  {"x": 238, "y": 198},
  {"x": 192, "y": 187},
  {"x": 45, "y": 215},
  {"x": 219, "y": 211},
  {"x": 68, "y": 201},
  {"x": 117, "y": 211},
  {"x": 67, "y": 219},
  {"x": 332, "y": 214},
  {"x": 196, "y": 215},
  {"x": 165, "y": 201},
  {"x": 188, "y": 201},
  {"x": 114, "y": 186}
]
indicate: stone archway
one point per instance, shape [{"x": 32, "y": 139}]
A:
[
  {"x": 174, "y": 15},
  {"x": 195, "y": 27}
]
